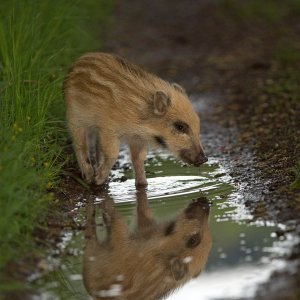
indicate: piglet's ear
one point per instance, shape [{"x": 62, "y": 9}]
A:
[
  {"x": 178, "y": 268},
  {"x": 161, "y": 103}
]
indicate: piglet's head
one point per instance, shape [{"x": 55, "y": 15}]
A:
[
  {"x": 176, "y": 125},
  {"x": 190, "y": 237}
]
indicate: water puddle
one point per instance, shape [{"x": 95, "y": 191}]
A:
[{"x": 243, "y": 253}]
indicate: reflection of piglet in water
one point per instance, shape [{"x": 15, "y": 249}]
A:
[
  {"x": 150, "y": 262},
  {"x": 110, "y": 100}
]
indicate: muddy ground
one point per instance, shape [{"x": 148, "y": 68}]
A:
[{"x": 231, "y": 64}]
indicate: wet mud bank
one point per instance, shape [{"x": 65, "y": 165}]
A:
[{"x": 223, "y": 65}]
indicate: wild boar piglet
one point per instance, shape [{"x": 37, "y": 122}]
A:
[{"x": 112, "y": 101}]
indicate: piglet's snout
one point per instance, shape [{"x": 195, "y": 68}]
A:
[
  {"x": 198, "y": 207},
  {"x": 197, "y": 160},
  {"x": 201, "y": 159}
]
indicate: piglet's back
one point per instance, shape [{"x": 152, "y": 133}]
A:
[
  {"x": 108, "y": 80},
  {"x": 106, "y": 89}
]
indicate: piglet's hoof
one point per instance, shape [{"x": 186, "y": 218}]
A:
[
  {"x": 99, "y": 180},
  {"x": 141, "y": 183}
]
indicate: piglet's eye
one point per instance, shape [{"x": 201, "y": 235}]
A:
[
  {"x": 193, "y": 241},
  {"x": 181, "y": 127}
]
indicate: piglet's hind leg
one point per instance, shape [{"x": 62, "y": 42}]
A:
[
  {"x": 110, "y": 146},
  {"x": 93, "y": 148}
]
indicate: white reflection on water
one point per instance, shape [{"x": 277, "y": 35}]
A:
[
  {"x": 229, "y": 283},
  {"x": 162, "y": 187}
]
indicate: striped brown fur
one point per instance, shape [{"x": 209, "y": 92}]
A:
[{"x": 126, "y": 104}]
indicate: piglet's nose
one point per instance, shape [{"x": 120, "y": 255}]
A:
[
  {"x": 201, "y": 159},
  {"x": 197, "y": 207},
  {"x": 202, "y": 201}
]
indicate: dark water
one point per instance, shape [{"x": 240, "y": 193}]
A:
[{"x": 243, "y": 253}]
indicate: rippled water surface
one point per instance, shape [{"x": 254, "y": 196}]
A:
[{"x": 241, "y": 254}]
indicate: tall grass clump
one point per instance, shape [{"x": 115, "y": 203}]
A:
[{"x": 37, "y": 40}]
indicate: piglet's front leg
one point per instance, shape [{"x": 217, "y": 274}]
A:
[
  {"x": 138, "y": 155},
  {"x": 116, "y": 226}
]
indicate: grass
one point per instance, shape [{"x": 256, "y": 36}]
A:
[{"x": 38, "y": 39}]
